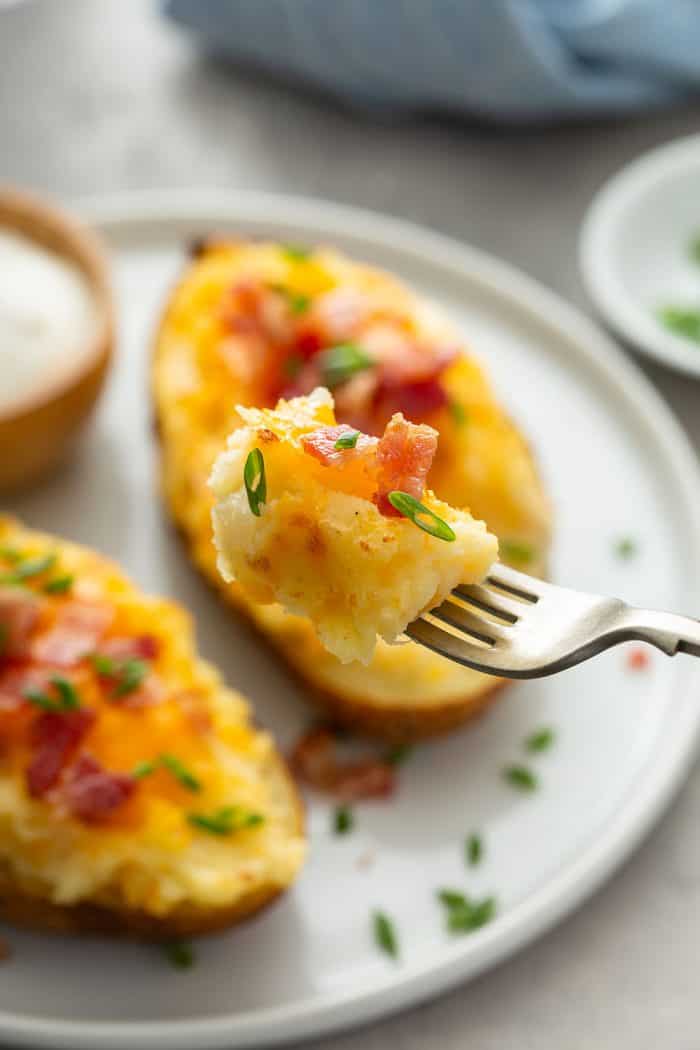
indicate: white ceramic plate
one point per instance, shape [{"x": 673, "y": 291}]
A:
[
  {"x": 616, "y": 464},
  {"x": 634, "y": 249}
]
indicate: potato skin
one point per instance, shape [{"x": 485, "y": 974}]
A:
[
  {"x": 29, "y": 911},
  {"x": 26, "y": 902},
  {"x": 183, "y": 485}
]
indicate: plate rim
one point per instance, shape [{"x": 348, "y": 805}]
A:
[
  {"x": 640, "y": 808},
  {"x": 600, "y": 277}
]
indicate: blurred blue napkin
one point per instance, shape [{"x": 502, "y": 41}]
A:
[{"x": 507, "y": 59}]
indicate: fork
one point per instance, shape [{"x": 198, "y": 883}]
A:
[{"x": 515, "y": 626}]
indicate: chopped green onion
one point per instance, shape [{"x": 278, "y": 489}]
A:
[
  {"x": 226, "y": 820},
  {"x": 519, "y": 553},
  {"x": 60, "y": 584},
  {"x": 398, "y": 754},
  {"x": 343, "y": 820},
  {"x": 180, "y": 954},
  {"x": 520, "y": 777},
  {"x": 340, "y": 363},
  {"x": 295, "y": 251},
  {"x": 25, "y": 570},
  {"x": 474, "y": 850},
  {"x": 421, "y": 516},
  {"x": 458, "y": 412},
  {"x": 104, "y": 665},
  {"x": 625, "y": 547},
  {"x": 385, "y": 934},
  {"x": 68, "y": 699},
  {"x": 144, "y": 769},
  {"x": 540, "y": 740},
  {"x": 255, "y": 481},
  {"x": 347, "y": 440},
  {"x": 465, "y": 915},
  {"x": 682, "y": 321},
  {"x": 180, "y": 772},
  {"x": 131, "y": 674}
]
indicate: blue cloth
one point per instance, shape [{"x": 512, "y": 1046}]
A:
[{"x": 503, "y": 59}]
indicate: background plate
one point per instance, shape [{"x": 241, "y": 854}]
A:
[{"x": 615, "y": 463}]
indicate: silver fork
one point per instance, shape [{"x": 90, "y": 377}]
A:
[{"x": 519, "y": 627}]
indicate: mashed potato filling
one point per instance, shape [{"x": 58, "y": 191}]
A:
[{"x": 326, "y": 536}]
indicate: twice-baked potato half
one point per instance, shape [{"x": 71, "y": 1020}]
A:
[
  {"x": 249, "y": 323},
  {"x": 135, "y": 796},
  {"x": 337, "y": 525}
]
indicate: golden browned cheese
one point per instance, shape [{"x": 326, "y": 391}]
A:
[
  {"x": 483, "y": 464},
  {"x": 147, "y": 869}
]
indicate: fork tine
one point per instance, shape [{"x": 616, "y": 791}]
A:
[
  {"x": 515, "y": 582},
  {"x": 464, "y": 620},
  {"x": 494, "y": 602}
]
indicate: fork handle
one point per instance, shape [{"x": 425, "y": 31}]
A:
[{"x": 667, "y": 631}]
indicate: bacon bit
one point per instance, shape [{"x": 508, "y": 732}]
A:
[
  {"x": 141, "y": 647},
  {"x": 338, "y": 314},
  {"x": 76, "y": 631},
  {"x": 638, "y": 659},
  {"x": 404, "y": 456},
  {"x": 56, "y": 736},
  {"x": 321, "y": 445},
  {"x": 19, "y": 615},
  {"x": 91, "y": 793},
  {"x": 315, "y": 761},
  {"x": 416, "y": 400},
  {"x": 307, "y": 343}
]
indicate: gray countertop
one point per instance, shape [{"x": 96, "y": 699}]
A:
[{"x": 99, "y": 96}]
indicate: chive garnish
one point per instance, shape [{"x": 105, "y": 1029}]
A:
[
  {"x": 465, "y": 915},
  {"x": 104, "y": 665},
  {"x": 255, "y": 481},
  {"x": 60, "y": 584},
  {"x": 385, "y": 934},
  {"x": 68, "y": 699},
  {"x": 226, "y": 820},
  {"x": 398, "y": 754},
  {"x": 343, "y": 820},
  {"x": 131, "y": 674},
  {"x": 25, "y": 570},
  {"x": 680, "y": 320},
  {"x": 180, "y": 954},
  {"x": 520, "y": 777},
  {"x": 519, "y": 553},
  {"x": 180, "y": 772},
  {"x": 340, "y": 363},
  {"x": 458, "y": 412},
  {"x": 295, "y": 251},
  {"x": 474, "y": 849},
  {"x": 144, "y": 769},
  {"x": 347, "y": 440},
  {"x": 421, "y": 516},
  {"x": 541, "y": 740},
  {"x": 625, "y": 547}
]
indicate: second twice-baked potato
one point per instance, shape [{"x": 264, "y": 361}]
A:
[
  {"x": 251, "y": 322},
  {"x": 135, "y": 795}
]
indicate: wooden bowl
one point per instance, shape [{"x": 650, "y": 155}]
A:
[{"x": 38, "y": 431}]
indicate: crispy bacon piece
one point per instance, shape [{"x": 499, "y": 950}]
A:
[
  {"x": 321, "y": 445},
  {"x": 140, "y": 647},
  {"x": 638, "y": 659},
  {"x": 404, "y": 457},
  {"x": 56, "y": 736},
  {"x": 19, "y": 615},
  {"x": 316, "y": 762},
  {"x": 75, "y": 632},
  {"x": 91, "y": 793},
  {"x": 337, "y": 314}
]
